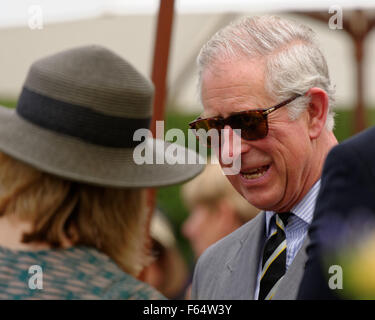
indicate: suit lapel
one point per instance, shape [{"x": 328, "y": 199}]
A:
[
  {"x": 239, "y": 280},
  {"x": 242, "y": 268}
]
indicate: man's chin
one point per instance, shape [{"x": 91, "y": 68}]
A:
[{"x": 258, "y": 200}]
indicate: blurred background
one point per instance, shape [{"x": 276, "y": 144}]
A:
[{"x": 32, "y": 29}]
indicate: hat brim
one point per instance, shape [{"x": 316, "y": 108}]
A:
[{"x": 74, "y": 159}]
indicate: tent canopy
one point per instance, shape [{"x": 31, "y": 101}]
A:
[{"x": 17, "y": 12}]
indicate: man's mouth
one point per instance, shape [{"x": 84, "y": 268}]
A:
[{"x": 255, "y": 173}]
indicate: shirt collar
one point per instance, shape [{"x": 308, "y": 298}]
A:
[{"x": 303, "y": 210}]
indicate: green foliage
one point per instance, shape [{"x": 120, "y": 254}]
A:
[
  {"x": 169, "y": 198},
  {"x": 8, "y": 103},
  {"x": 344, "y": 124}
]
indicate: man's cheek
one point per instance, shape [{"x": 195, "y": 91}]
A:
[{"x": 236, "y": 183}]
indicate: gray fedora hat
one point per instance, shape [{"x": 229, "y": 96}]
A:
[{"x": 76, "y": 116}]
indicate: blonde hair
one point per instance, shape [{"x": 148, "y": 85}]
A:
[
  {"x": 111, "y": 220},
  {"x": 211, "y": 187}
]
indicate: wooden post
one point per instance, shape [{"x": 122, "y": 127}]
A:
[
  {"x": 359, "y": 115},
  {"x": 358, "y": 25},
  {"x": 161, "y": 55},
  {"x": 159, "y": 71},
  {"x": 159, "y": 78}
]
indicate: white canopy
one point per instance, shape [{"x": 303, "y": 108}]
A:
[
  {"x": 128, "y": 27},
  {"x": 17, "y": 12}
]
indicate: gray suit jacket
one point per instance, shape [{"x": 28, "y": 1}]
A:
[{"x": 228, "y": 269}]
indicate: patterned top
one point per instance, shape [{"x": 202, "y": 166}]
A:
[{"x": 74, "y": 273}]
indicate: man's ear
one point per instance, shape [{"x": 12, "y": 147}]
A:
[{"x": 317, "y": 110}]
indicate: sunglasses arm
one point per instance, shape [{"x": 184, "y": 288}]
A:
[{"x": 272, "y": 109}]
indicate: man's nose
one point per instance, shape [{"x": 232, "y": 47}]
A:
[{"x": 232, "y": 145}]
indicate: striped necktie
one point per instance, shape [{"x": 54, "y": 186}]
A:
[{"x": 274, "y": 258}]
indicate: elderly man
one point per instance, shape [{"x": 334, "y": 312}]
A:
[{"x": 267, "y": 77}]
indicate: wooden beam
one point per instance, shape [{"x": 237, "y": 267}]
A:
[
  {"x": 161, "y": 57},
  {"x": 358, "y": 25},
  {"x": 159, "y": 78}
]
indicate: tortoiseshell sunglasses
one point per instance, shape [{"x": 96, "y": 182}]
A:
[{"x": 253, "y": 123}]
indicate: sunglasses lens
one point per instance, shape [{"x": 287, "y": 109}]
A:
[
  {"x": 253, "y": 124},
  {"x": 207, "y": 131}
]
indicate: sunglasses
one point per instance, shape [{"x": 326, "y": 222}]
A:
[{"x": 252, "y": 123}]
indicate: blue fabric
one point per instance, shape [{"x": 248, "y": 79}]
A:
[{"x": 74, "y": 273}]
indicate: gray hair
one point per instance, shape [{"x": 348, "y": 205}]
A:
[{"x": 294, "y": 62}]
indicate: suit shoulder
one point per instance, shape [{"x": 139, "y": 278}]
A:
[
  {"x": 212, "y": 265},
  {"x": 224, "y": 248}
]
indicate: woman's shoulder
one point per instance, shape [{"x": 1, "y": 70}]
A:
[
  {"x": 122, "y": 285},
  {"x": 131, "y": 288},
  {"x": 73, "y": 273}
]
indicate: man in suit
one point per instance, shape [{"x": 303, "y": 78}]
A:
[
  {"x": 347, "y": 194},
  {"x": 267, "y": 77}
]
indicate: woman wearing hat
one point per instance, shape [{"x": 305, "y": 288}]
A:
[{"x": 72, "y": 202}]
